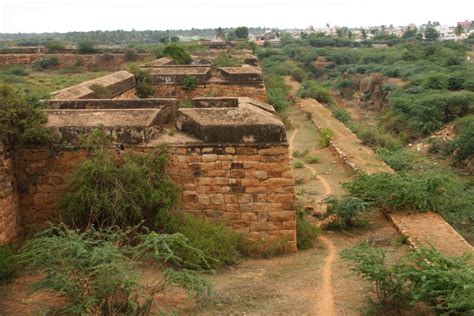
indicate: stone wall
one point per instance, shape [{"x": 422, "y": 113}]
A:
[
  {"x": 9, "y": 206},
  {"x": 247, "y": 187},
  {"x": 105, "y": 61},
  {"x": 256, "y": 91}
]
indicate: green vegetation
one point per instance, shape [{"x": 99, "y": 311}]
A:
[
  {"x": 241, "y": 32},
  {"x": 107, "y": 191},
  {"x": 310, "y": 89},
  {"x": 178, "y": 54},
  {"x": 306, "y": 233},
  {"x": 189, "y": 83},
  {"x": 16, "y": 70},
  {"x": 45, "y": 63},
  {"x": 87, "y": 47},
  {"x": 311, "y": 159},
  {"x": 100, "y": 92},
  {"x": 143, "y": 86},
  {"x": 346, "y": 213},
  {"x": 226, "y": 60},
  {"x": 463, "y": 144},
  {"x": 20, "y": 120},
  {"x": 299, "y": 154},
  {"x": 96, "y": 270},
  {"x": 325, "y": 136},
  {"x": 298, "y": 164},
  {"x": 443, "y": 283},
  {"x": 7, "y": 270}
]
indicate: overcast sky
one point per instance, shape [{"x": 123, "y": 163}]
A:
[{"x": 86, "y": 15}]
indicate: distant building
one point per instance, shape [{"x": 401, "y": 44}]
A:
[{"x": 465, "y": 25}]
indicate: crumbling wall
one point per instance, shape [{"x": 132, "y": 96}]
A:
[
  {"x": 9, "y": 206},
  {"x": 248, "y": 187},
  {"x": 256, "y": 91},
  {"x": 106, "y": 61}
]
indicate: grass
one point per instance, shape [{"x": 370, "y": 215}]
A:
[
  {"x": 298, "y": 164},
  {"x": 311, "y": 159}
]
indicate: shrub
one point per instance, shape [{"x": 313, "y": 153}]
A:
[
  {"x": 346, "y": 213},
  {"x": 16, "y": 71},
  {"x": 130, "y": 55},
  {"x": 178, "y": 54},
  {"x": 311, "y": 159},
  {"x": 306, "y": 233},
  {"x": 7, "y": 270},
  {"x": 143, "y": 86},
  {"x": 375, "y": 137},
  {"x": 310, "y": 89},
  {"x": 215, "y": 240},
  {"x": 106, "y": 190},
  {"x": 463, "y": 143},
  {"x": 341, "y": 114},
  {"x": 226, "y": 60},
  {"x": 391, "y": 288},
  {"x": 45, "y": 63},
  {"x": 100, "y": 92},
  {"x": 97, "y": 270},
  {"x": 86, "y": 47},
  {"x": 54, "y": 46},
  {"x": 20, "y": 121},
  {"x": 401, "y": 159},
  {"x": 299, "y": 154},
  {"x": 189, "y": 83},
  {"x": 298, "y": 164},
  {"x": 325, "y": 136}
]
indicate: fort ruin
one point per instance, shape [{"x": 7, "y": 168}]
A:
[{"x": 226, "y": 147}]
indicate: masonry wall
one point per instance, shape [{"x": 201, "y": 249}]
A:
[
  {"x": 86, "y": 61},
  {"x": 252, "y": 90},
  {"x": 9, "y": 206},
  {"x": 250, "y": 188}
]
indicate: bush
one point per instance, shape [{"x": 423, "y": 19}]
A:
[
  {"x": 346, "y": 213},
  {"x": 143, "y": 86},
  {"x": 7, "y": 270},
  {"x": 20, "y": 121},
  {"x": 375, "y": 137},
  {"x": 106, "y": 191},
  {"x": 178, "y": 54},
  {"x": 445, "y": 284},
  {"x": 299, "y": 154},
  {"x": 45, "y": 63},
  {"x": 298, "y": 164},
  {"x": 215, "y": 240},
  {"x": 16, "y": 71},
  {"x": 54, "y": 46},
  {"x": 226, "y": 60},
  {"x": 97, "y": 270},
  {"x": 341, "y": 114},
  {"x": 310, "y": 89},
  {"x": 400, "y": 159},
  {"x": 130, "y": 55},
  {"x": 86, "y": 47},
  {"x": 189, "y": 83},
  {"x": 100, "y": 92},
  {"x": 306, "y": 233},
  {"x": 311, "y": 159},
  {"x": 463, "y": 143},
  {"x": 325, "y": 136}
]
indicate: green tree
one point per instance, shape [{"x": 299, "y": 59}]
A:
[
  {"x": 459, "y": 30},
  {"x": 431, "y": 34},
  {"x": 179, "y": 55},
  {"x": 242, "y": 32},
  {"x": 86, "y": 47},
  {"x": 220, "y": 33}
]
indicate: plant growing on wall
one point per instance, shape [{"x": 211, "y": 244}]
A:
[
  {"x": 143, "y": 86},
  {"x": 189, "y": 83},
  {"x": 179, "y": 55}
]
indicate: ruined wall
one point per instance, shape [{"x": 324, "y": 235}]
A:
[
  {"x": 87, "y": 61},
  {"x": 9, "y": 206},
  {"x": 248, "y": 187},
  {"x": 256, "y": 91}
]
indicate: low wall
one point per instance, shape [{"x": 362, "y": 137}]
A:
[
  {"x": 250, "y": 188},
  {"x": 84, "y": 61},
  {"x": 9, "y": 205},
  {"x": 256, "y": 91}
]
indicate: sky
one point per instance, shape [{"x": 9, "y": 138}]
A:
[{"x": 87, "y": 15}]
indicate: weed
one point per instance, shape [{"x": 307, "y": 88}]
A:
[
  {"x": 100, "y": 92},
  {"x": 7, "y": 270},
  {"x": 306, "y": 233},
  {"x": 189, "y": 83},
  {"x": 312, "y": 159},
  {"x": 298, "y": 164},
  {"x": 325, "y": 136}
]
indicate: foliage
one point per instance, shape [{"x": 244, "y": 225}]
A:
[
  {"x": 375, "y": 137},
  {"x": 215, "y": 240},
  {"x": 277, "y": 92},
  {"x": 143, "y": 86},
  {"x": 53, "y": 46},
  {"x": 86, "y": 47},
  {"x": 463, "y": 143},
  {"x": 189, "y": 83},
  {"x": 325, "y": 136},
  {"x": 402, "y": 159},
  {"x": 241, "y": 32},
  {"x": 100, "y": 92},
  {"x": 106, "y": 190},
  {"x": 130, "y": 55},
  {"x": 16, "y": 70},
  {"x": 390, "y": 287},
  {"x": 443, "y": 283},
  {"x": 97, "y": 270},
  {"x": 298, "y": 164},
  {"x": 178, "y": 54},
  {"x": 311, "y": 159},
  {"x": 341, "y": 114},
  {"x": 20, "y": 121},
  {"x": 226, "y": 60},
  {"x": 299, "y": 154},
  {"x": 310, "y": 89},
  {"x": 45, "y": 63},
  {"x": 346, "y": 212},
  {"x": 306, "y": 233},
  {"x": 431, "y": 34},
  {"x": 7, "y": 270}
]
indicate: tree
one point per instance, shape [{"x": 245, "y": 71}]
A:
[
  {"x": 86, "y": 47},
  {"x": 431, "y": 34},
  {"x": 363, "y": 33},
  {"x": 409, "y": 33},
  {"x": 220, "y": 33},
  {"x": 458, "y": 30},
  {"x": 242, "y": 32}
]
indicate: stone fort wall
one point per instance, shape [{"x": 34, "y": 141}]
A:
[
  {"x": 247, "y": 187},
  {"x": 9, "y": 204}
]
